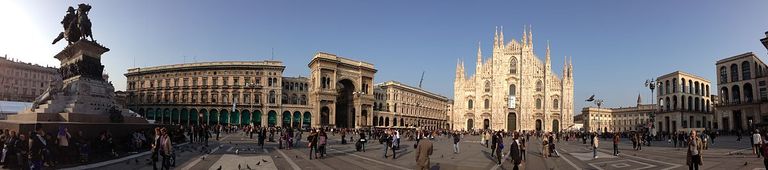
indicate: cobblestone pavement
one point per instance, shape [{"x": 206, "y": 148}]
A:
[{"x": 235, "y": 150}]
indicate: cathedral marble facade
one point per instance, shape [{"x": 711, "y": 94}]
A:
[{"x": 513, "y": 90}]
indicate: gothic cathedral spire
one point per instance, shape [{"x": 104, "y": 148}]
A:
[
  {"x": 548, "y": 61},
  {"x": 479, "y": 63},
  {"x": 501, "y": 37}
]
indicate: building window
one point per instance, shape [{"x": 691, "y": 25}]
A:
[
  {"x": 734, "y": 72},
  {"x": 538, "y": 85},
  {"x": 538, "y": 103},
  {"x": 272, "y": 97},
  {"x": 513, "y": 66},
  {"x": 469, "y": 104},
  {"x": 487, "y": 86},
  {"x": 674, "y": 85},
  {"x": 555, "y": 104},
  {"x": 487, "y": 104},
  {"x": 512, "y": 90},
  {"x": 745, "y": 72},
  {"x": 723, "y": 75}
]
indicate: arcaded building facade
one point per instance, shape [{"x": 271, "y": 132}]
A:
[
  {"x": 741, "y": 84},
  {"x": 236, "y": 92},
  {"x": 399, "y": 105},
  {"x": 513, "y": 90},
  {"x": 23, "y": 82},
  {"x": 684, "y": 103}
]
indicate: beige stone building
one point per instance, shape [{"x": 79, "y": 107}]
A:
[
  {"x": 513, "y": 90},
  {"x": 207, "y": 92},
  {"x": 622, "y": 119},
  {"x": 338, "y": 93},
  {"x": 741, "y": 84},
  {"x": 23, "y": 82},
  {"x": 399, "y": 105},
  {"x": 684, "y": 103}
]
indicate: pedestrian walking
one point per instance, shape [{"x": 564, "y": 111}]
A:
[
  {"x": 523, "y": 144},
  {"x": 595, "y": 143},
  {"x": 616, "y": 144},
  {"x": 515, "y": 152},
  {"x": 387, "y": 140},
  {"x": 156, "y": 147},
  {"x": 484, "y": 140},
  {"x": 693, "y": 155},
  {"x": 494, "y": 140},
  {"x": 37, "y": 145},
  {"x": 262, "y": 136},
  {"x": 456, "y": 139},
  {"x": 639, "y": 140},
  {"x": 393, "y": 144},
  {"x": 312, "y": 144},
  {"x": 764, "y": 149},
  {"x": 499, "y": 147},
  {"x": 322, "y": 141},
  {"x": 756, "y": 143},
  {"x": 165, "y": 149},
  {"x": 423, "y": 151},
  {"x": 545, "y": 148}
]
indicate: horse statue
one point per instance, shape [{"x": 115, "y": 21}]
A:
[{"x": 76, "y": 24}]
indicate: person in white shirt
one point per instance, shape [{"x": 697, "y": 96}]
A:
[
  {"x": 756, "y": 142},
  {"x": 397, "y": 139}
]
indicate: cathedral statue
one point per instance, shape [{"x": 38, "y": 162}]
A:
[{"x": 76, "y": 24}]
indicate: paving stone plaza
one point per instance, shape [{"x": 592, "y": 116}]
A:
[{"x": 235, "y": 150}]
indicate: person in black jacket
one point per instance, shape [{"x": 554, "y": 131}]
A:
[
  {"x": 37, "y": 145},
  {"x": 515, "y": 153},
  {"x": 493, "y": 143},
  {"x": 456, "y": 138}
]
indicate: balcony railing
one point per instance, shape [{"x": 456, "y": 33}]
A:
[
  {"x": 683, "y": 110},
  {"x": 737, "y": 102}
]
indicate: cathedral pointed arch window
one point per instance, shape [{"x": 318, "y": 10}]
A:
[
  {"x": 539, "y": 85},
  {"x": 487, "y": 86},
  {"x": 512, "y": 89},
  {"x": 538, "y": 103},
  {"x": 555, "y": 104},
  {"x": 513, "y": 66},
  {"x": 469, "y": 104}
]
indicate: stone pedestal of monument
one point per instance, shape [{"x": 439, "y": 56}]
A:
[
  {"x": 82, "y": 101},
  {"x": 83, "y": 95}
]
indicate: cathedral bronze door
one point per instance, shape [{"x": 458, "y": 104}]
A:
[
  {"x": 469, "y": 124},
  {"x": 512, "y": 122},
  {"x": 538, "y": 124},
  {"x": 486, "y": 124},
  {"x": 555, "y": 126}
]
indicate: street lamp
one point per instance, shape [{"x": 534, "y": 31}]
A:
[
  {"x": 652, "y": 84},
  {"x": 599, "y": 103}
]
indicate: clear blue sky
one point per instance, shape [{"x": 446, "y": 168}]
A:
[{"x": 615, "y": 45}]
